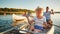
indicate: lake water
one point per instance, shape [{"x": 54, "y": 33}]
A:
[
  {"x": 56, "y": 21},
  {"x": 6, "y": 21}
]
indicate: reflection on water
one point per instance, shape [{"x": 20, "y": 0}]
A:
[{"x": 6, "y": 21}]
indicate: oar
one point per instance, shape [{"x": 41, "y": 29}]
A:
[
  {"x": 56, "y": 25},
  {"x": 33, "y": 31},
  {"x": 27, "y": 16},
  {"x": 28, "y": 19}
]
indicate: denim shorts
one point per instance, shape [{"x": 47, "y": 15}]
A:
[{"x": 38, "y": 27}]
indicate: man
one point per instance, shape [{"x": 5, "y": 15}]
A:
[{"x": 48, "y": 13}]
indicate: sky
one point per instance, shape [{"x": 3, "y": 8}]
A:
[{"x": 31, "y": 4}]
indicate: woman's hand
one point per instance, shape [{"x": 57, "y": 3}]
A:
[{"x": 45, "y": 25}]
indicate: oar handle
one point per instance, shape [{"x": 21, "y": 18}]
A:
[
  {"x": 56, "y": 25},
  {"x": 27, "y": 16}
]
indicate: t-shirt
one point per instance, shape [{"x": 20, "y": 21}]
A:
[
  {"x": 39, "y": 22},
  {"x": 47, "y": 15}
]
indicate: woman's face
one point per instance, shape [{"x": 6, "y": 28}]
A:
[{"x": 39, "y": 12}]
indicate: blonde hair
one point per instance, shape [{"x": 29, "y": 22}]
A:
[{"x": 39, "y": 8}]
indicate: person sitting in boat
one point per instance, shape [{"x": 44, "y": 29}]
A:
[
  {"x": 39, "y": 21},
  {"x": 47, "y": 14}
]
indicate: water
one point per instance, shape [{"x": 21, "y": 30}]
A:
[
  {"x": 6, "y": 21},
  {"x": 56, "y": 20}
]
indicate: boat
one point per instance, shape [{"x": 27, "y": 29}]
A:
[
  {"x": 51, "y": 30},
  {"x": 21, "y": 24}
]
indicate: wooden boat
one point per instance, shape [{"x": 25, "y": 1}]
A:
[
  {"x": 50, "y": 31},
  {"x": 18, "y": 20}
]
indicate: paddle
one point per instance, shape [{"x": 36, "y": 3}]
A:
[
  {"x": 27, "y": 16},
  {"x": 56, "y": 25},
  {"x": 33, "y": 31}
]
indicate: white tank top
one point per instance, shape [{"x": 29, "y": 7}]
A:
[{"x": 39, "y": 22}]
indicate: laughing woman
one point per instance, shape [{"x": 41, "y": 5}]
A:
[{"x": 39, "y": 21}]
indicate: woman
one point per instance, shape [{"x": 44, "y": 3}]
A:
[{"x": 39, "y": 21}]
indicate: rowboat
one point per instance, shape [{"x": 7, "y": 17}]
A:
[
  {"x": 23, "y": 29},
  {"x": 50, "y": 31}
]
